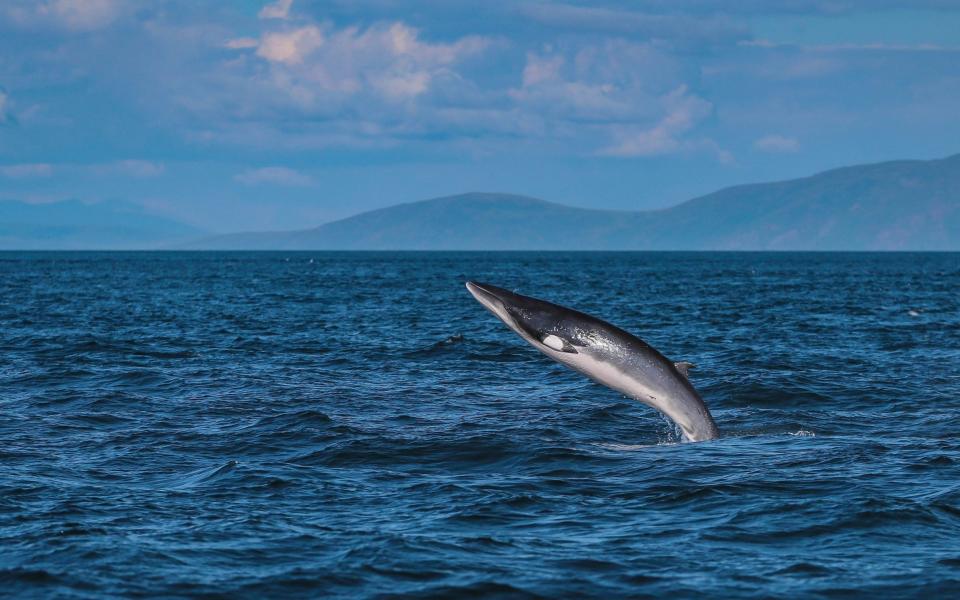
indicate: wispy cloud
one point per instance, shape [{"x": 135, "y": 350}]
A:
[
  {"x": 124, "y": 168},
  {"x": 777, "y": 143},
  {"x": 134, "y": 168},
  {"x": 386, "y": 82},
  {"x": 276, "y": 10},
  {"x": 275, "y": 176},
  {"x": 4, "y": 101},
  {"x": 290, "y": 47},
  {"x": 314, "y": 63},
  {"x": 683, "y": 112},
  {"x": 851, "y": 47},
  {"x": 241, "y": 43},
  {"x": 648, "y": 25},
  {"x": 75, "y": 15},
  {"x": 24, "y": 171}
]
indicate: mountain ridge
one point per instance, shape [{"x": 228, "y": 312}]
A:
[
  {"x": 891, "y": 205},
  {"x": 75, "y": 225}
]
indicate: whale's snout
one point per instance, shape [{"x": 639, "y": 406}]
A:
[
  {"x": 475, "y": 288},
  {"x": 497, "y": 300},
  {"x": 485, "y": 293}
]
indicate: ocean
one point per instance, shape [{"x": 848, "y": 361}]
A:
[{"x": 310, "y": 424}]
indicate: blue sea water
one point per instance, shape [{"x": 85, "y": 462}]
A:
[{"x": 355, "y": 424}]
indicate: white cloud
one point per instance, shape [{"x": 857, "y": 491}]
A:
[
  {"x": 276, "y": 176},
  {"x": 864, "y": 47},
  {"x": 241, "y": 43},
  {"x": 276, "y": 10},
  {"x": 683, "y": 112},
  {"x": 139, "y": 168},
  {"x": 313, "y": 66},
  {"x": 385, "y": 84},
  {"x": 126, "y": 168},
  {"x": 25, "y": 171},
  {"x": 4, "y": 101},
  {"x": 541, "y": 69},
  {"x": 758, "y": 43},
  {"x": 85, "y": 14},
  {"x": 315, "y": 85},
  {"x": 403, "y": 85},
  {"x": 290, "y": 47},
  {"x": 615, "y": 81},
  {"x": 75, "y": 15},
  {"x": 777, "y": 143},
  {"x": 883, "y": 47},
  {"x": 781, "y": 63},
  {"x": 616, "y": 98},
  {"x": 594, "y": 19}
]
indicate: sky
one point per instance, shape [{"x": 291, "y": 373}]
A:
[{"x": 253, "y": 115}]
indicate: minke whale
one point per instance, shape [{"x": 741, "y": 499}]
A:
[{"x": 604, "y": 353}]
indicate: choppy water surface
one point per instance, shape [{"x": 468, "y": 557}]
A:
[{"x": 314, "y": 424}]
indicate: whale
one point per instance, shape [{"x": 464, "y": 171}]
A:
[{"x": 604, "y": 353}]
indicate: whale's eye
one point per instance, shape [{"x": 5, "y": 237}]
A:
[{"x": 556, "y": 343}]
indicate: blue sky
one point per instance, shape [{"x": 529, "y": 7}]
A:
[{"x": 286, "y": 114}]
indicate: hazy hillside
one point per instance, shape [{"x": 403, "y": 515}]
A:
[
  {"x": 75, "y": 225},
  {"x": 468, "y": 221},
  {"x": 900, "y": 205},
  {"x": 887, "y": 206}
]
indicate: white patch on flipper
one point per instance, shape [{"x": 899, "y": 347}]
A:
[{"x": 552, "y": 341}]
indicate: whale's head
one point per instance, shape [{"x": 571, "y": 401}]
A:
[{"x": 547, "y": 326}]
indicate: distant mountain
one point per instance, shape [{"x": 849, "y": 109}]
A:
[
  {"x": 75, "y": 225},
  {"x": 899, "y": 205},
  {"x": 473, "y": 221}
]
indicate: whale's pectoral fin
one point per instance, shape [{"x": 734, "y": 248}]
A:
[{"x": 684, "y": 367}]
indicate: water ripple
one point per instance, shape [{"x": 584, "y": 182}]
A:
[{"x": 257, "y": 424}]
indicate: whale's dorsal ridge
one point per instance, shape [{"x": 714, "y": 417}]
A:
[{"x": 684, "y": 367}]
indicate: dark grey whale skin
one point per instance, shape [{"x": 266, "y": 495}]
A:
[{"x": 604, "y": 353}]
